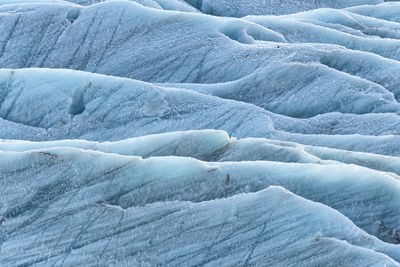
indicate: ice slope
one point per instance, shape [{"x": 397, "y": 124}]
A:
[
  {"x": 107, "y": 51},
  {"x": 213, "y": 145},
  {"x": 45, "y": 104},
  {"x": 305, "y": 32},
  {"x": 193, "y": 48},
  {"x": 197, "y": 144},
  {"x": 226, "y": 222},
  {"x": 178, "y": 5},
  {"x": 170, "y": 5},
  {"x": 105, "y": 46},
  {"x": 100, "y": 179},
  {"x": 85, "y": 204},
  {"x": 386, "y": 11},
  {"x": 342, "y": 124},
  {"x": 12, "y": 2},
  {"x": 348, "y": 22},
  {"x": 240, "y": 8},
  {"x": 96, "y": 107},
  {"x": 278, "y": 88}
]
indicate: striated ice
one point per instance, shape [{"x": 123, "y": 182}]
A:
[{"x": 199, "y": 132}]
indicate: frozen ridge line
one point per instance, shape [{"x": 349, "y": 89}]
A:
[
  {"x": 213, "y": 145},
  {"x": 193, "y": 47},
  {"x": 199, "y": 132},
  {"x": 117, "y": 198},
  {"x": 48, "y": 104}
]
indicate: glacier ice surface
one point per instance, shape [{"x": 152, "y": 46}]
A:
[{"x": 172, "y": 132}]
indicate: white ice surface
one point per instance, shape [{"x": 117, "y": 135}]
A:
[
  {"x": 70, "y": 104},
  {"x": 75, "y": 188},
  {"x": 240, "y": 8},
  {"x": 107, "y": 157}
]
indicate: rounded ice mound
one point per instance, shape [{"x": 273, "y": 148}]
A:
[
  {"x": 240, "y": 8},
  {"x": 81, "y": 183},
  {"x": 242, "y": 141}
]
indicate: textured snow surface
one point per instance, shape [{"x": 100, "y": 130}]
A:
[
  {"x": 199, "y": 132},
  {"x": 75, "y": 190},
  {"x": 240, "y": 8}
]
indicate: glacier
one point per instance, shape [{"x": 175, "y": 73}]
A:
[
  {"x": 49, "y": 104},
  {"x": 240, "y": 8},
  {"x": 199, "y": 133},
  {"x": 129, "y": 181}
]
